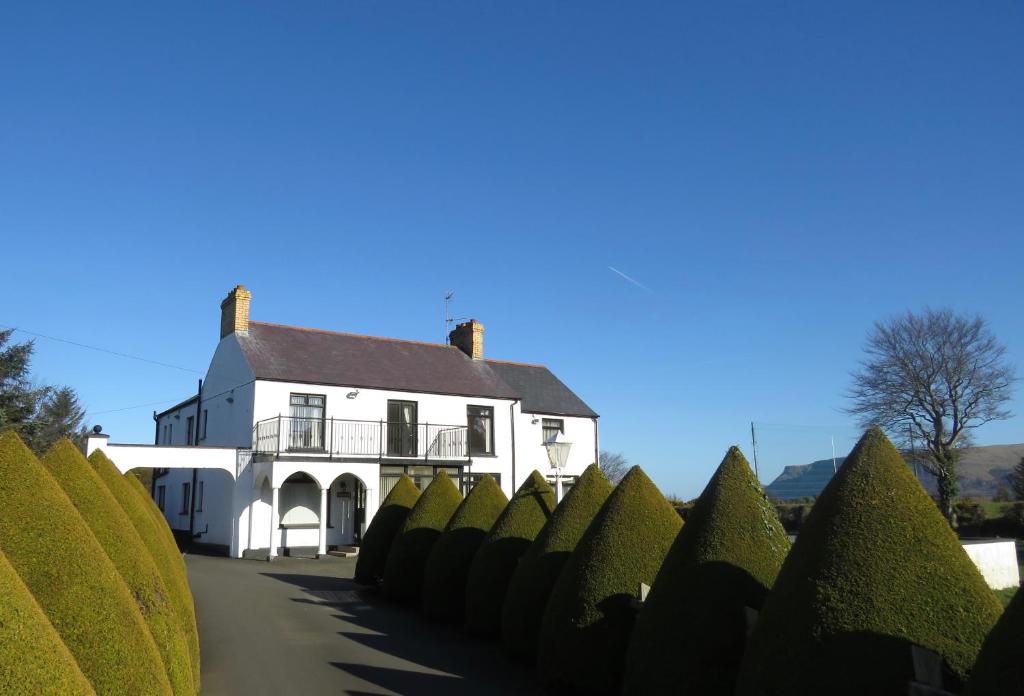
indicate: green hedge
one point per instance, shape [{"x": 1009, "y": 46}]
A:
[
  {"x": 444, "y": 582},
  {"x": 149, "y": 522},
  {"x": 118, "y": 537},
  {"x": 999, "y": 670},
  {"x": 875, "y": 570},
  {"x": 376, "y": 543},
  {"x": 407, "y": 560},
  {"x": 33, "y": 658},
  {"x": 75, "y": 583},
  {"x": 690, "y": 635},
  {"x": 589, "y": 616},
  {"x": 540, "y": 565},
  {"x": 499, "y": 553}
]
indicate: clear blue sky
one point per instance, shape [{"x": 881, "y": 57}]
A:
[{"x": 776, "y": 175}]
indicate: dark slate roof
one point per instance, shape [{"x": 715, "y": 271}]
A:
[
  {"x": 292, "y": 354},
  {"x": 540, "y": 390}
]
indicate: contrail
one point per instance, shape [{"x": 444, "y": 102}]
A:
[{"x": 631, "y": 280}]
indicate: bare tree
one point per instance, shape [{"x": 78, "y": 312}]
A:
[
  {"x": 614, "y": 465},
  {"x": 933, "y": 378}
]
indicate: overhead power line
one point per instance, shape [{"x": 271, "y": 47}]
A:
[{"x": 105, "y": 350}]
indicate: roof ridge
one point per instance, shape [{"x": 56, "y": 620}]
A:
[
  {"x": 513, "y": 362},
  {"x": 350, "y": 334}
]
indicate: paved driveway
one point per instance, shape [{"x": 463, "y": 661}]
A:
[{"x": 298, "y": 626}]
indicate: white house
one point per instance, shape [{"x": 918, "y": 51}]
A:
[{"x": 296, "y": 435}]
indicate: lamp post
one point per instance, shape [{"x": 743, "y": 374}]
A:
[{"x": 558, "y": 454}]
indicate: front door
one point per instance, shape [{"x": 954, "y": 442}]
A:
[{"x": 402, "y": 429}]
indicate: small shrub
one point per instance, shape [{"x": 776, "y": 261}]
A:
[
  {"x": 499, "y": 553},
  {"x": 376, "y": 544},
  {"x": 444, "y": 582},
  {"x": 691, "y": 632},
  {"x": 119, "y": 538},
  {"x": 589, "y": 616},
  {"x": 969, "y": 513},
  {"x": 149, "y": 522},
  {"x": 407, "y": 560},
  {"x": 875, "y": 570},
  {"x": 69, "y": 574},
  {"x": 999, "y": 669},
  {"x": 33, "y": 658},
  {"x": 540, "y": 565}
]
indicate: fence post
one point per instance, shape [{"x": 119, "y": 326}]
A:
[{"x": 278, "y": 440}]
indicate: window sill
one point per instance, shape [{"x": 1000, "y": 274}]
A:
[{"x": 483, "y": 456}]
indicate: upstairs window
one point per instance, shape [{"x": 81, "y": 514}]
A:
[
  {"x": 185, "y": 490},
  {"x": 306, "y": 422},
  {"x": 161, "y": 497},
  {"x": 481, "y": 429},
  {"x": 552, "y": 427},
  {"x": 202, "y": 424},
  {"x": 190, "y": 425}
]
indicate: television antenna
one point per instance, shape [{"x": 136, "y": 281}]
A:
[{"x": 448, "y": 321}]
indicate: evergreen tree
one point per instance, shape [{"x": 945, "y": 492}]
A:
[{"x": 1017, "y": 480}]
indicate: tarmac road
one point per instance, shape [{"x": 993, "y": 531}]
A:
[{"x": 300, "y": 626}]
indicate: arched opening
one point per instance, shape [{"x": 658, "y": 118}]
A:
[
  {"x": 346, "y": 511},
  {"x": 299, "y": 506}
]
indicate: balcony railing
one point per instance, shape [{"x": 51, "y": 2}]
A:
[{"x": 340, "y": 437}]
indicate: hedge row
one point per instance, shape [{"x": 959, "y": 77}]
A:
[
  {"x": 75, "y": 583},
  {"x": 690, "y": 637},
  {"x": 875, "y": 570},
  {"x": 731, "y": 608},
  {"x": 496, "y": 561},
  {"x": 376, "y": 543},
  {"x": 152, "y": 527},
  {"x": 114, "y": 531},
  {"x": 444, "y": 582}
]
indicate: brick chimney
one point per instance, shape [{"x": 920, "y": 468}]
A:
[
  {"x": 469, "y": 338},
  {"x": 234, "y": 311}
]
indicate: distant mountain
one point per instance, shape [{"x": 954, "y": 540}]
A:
[{"x": 982, "y": 471}]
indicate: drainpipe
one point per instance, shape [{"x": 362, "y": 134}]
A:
[
  {"x": 597, "y": 448},
  {"x": 156, "y": 441},
  {"x": 195, "y": 443},
  {"x": 512, "y": 422}
]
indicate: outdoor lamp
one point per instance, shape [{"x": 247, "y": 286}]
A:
[{"x": 558, "y": 454}]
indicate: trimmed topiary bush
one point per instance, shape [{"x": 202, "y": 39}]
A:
[
  {"x": 33, "y": 658},
  {"x": 999, "y": 670},
  {"x": 69, "y": 574},
  {"x": 407, "y": 560},
  {"x": 149, "y": 522},
  {"x": 875, "y": 570},
  {"x": 589, "y": 616},
  {"x": 444, "y": 582},
  {"x": 691, "y": 632},
  {"x": 539, "y": 566},
  {"x": 373, "y": 551},
  {"x": 496, "y": 560},
  {"x": 118, "y": 537}
]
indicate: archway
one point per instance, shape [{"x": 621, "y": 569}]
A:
[
  {"x": 299, "y": 510},
  {"x": 346, "y": 511}
]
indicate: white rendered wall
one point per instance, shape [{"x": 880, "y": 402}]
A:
[
  {"x": 530, "y": 451},
  {"x": 228, "y": 394},
  {"x": 997, "y": 561}
]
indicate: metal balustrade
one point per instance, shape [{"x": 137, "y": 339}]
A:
[{"x": 343, "y": 437}]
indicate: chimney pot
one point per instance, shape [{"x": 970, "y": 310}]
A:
[
  {"x": 469, "y": 338},
  {"x": 234, "y": 311}
]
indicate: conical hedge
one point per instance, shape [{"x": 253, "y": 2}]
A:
[
  {"x": 444, "y": 582},
  {"x": 155, "y": 534},
  {"x": 495, "y": 562},
  {"x": 540, "y": 565},
  {"x": 875, "y": 569},
  {"x": 589, "y": 616},
  {"x": 118, "y": 537},
  {"x": 69, "y": 574},
  {"x": 999, "y": 670},
  {"x": 373, "y": 551},
  {"x": 33, "y": 658},
  {"x": 407, "y": 560},
  {"x": 691, "y": 632}
]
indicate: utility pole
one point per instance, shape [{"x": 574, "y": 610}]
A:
[
  {"x": 834, "y": 467},
  {"x": 753, "y": 443}
]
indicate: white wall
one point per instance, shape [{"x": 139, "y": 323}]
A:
[
  {"x": 530, "y": 451},
  {"x": 228, "y": 394},
  {"x": 272, "y": 399}
]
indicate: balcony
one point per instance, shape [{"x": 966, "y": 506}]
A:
[{"x": 337, "y": 437}]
